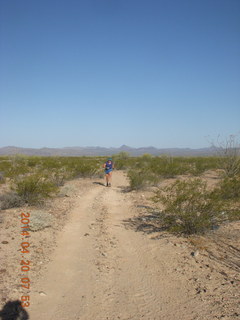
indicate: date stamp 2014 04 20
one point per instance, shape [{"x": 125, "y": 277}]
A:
[{"x": 25, "y": 262}]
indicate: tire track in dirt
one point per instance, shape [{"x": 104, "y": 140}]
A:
[
  {"x": 69, "y": 281},
  {"x": 103, "y": 270},
  {"x": 137, "y": 286}
]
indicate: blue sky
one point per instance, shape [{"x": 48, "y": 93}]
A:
[{"x": 106, "y": 72}]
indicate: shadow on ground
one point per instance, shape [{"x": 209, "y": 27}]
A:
[
  {"x": 13, "y": 310},
  {"x": 99, "y": 183},
  {"x": 124, "y": 189},
  {"x": 148, "y": 223}
]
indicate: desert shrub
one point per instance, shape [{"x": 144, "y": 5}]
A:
[
  {"x": 84, "y": 170},
  {"x": 18, "y": 166},
  {"x": 10, "y": 200},
  {"x": 123, "y": 155},
  {"x": 34, "y": 188},
  {"x": 120, "y": 164},
  {"x": 122, "y": 160},
  {"x": 199, "y": 165},
  {"x": 233, "y": 214},
  {"x": 58, "y": 178},
  {"x": 64, "y": 168},
  {"x": 40, "y": 220},
  {"x": 76, "y": 167},
  {"x": 231, "y": 165},
  {"x": 137, "y": 179},
  {"x": 141, "y": 179},
  {"x": 147, "y": 156},
  {"x": 229, "y": 151},
  {"x": 148, "y": 170},
  {"x": 189, "y": 207},
  {"x": 168, "y": 167},
  {"x": 49, "y": 163},
  {"x": 52, "y": 170},
  {"x": 229, "y": 189},
  {"x": 228, "y": 194},
  {"x": 33, "y": 161},
  {"x": 5, "y": 165},
  {"x": 2, "y": 178}
]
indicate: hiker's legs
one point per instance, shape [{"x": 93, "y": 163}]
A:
[
  {"x": 110, "y": 177},
  {"x": 107, "y": 178}
]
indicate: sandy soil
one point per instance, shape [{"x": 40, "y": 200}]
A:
[{"x": 104, "y": 258}]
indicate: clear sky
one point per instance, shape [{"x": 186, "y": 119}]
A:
[{"x": 164, "y": 73}]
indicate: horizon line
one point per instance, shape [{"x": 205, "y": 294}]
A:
[{"x": 124, "y": 145}]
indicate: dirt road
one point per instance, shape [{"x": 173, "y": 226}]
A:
[{"x": 102, "y": 269}]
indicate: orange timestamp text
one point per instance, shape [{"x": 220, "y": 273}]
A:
[{"x": 25, "y": 263}]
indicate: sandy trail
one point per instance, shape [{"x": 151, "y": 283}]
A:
[{"x": 101, "y": 269}]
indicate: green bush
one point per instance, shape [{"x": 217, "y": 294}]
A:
[
  {"x": 229, "y": 189},
  {"x": 34, "y": 188},
  {"x": 85, "y": 170},
  {"x": 120, "y": 164},
  {"x": 138, "y": 180},
  {"x": 5, "y": 166},
  {"x": 58, "y": 177},
  {"x": 141, "y": 179},
  {"x": 168, "y": 167},
  {"x": 228, "y": 194},
  {"x": 189, "y": 207},
  {"x": 33, "y": 161},
  {"x": 233, "y": 214},
  {"x": 122, "y": 160},
  {"x": 163, "y": 166},
  {"x": 199, "y": 165},
  {"x": 17, "y": 165}
]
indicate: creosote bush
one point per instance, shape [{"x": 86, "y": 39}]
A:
[
  {"x": 228, "y": 194},
  {"x": 148, "y": 170},
  {"x": 34, "y": 188},
  {"x": 228, "y": 189},
  {"x": 35, "y": 178},
  {"x": 139, "y": 179},
  {"x": 189, "y": 207}
]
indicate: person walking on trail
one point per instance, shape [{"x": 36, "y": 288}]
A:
[{"x": 108, "y": 166}]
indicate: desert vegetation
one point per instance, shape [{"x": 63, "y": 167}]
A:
[
  {"x": 186, "y": 205},
  {"x": 191, "y": 208},
  {"x": 33, "y": 179},
  {"x": 154, "y": 169}
]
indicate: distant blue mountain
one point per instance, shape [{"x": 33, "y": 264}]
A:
[{"x": 101, "y": 151}]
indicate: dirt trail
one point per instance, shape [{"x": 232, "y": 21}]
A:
[{"x": 101, "y": 269}]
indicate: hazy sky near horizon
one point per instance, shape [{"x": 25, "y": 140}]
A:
[{"x": 107, "y": 72}]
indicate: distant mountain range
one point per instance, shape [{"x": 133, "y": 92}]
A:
[{"x": 101, "y": 151}]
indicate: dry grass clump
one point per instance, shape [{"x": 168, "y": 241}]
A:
[{"x": 10, "y": 200}]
